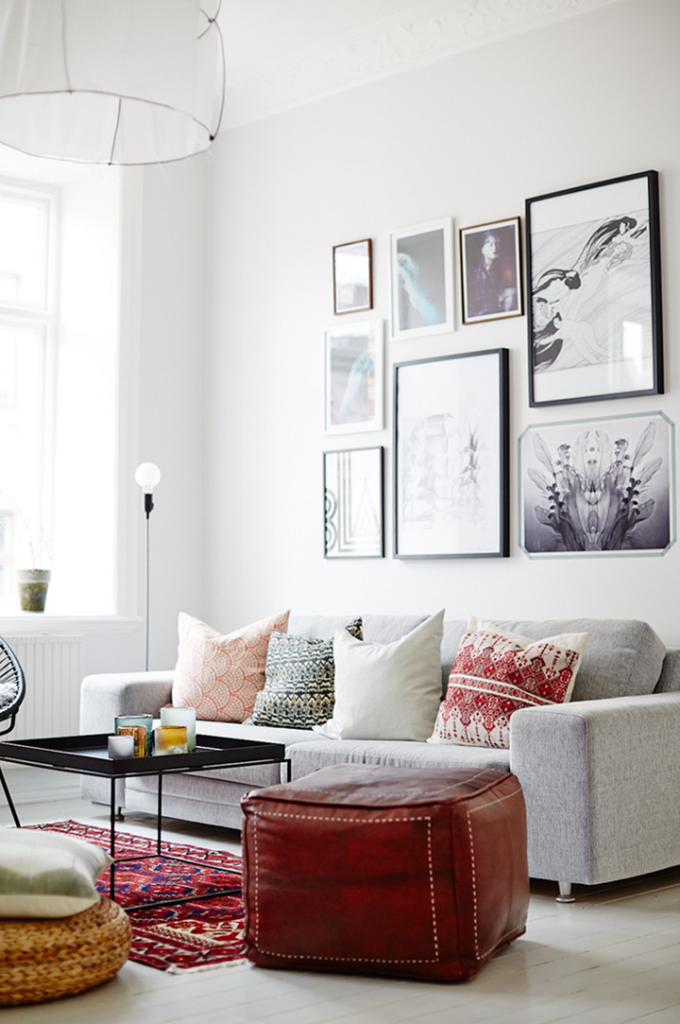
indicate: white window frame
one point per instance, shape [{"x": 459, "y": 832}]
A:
[{"x": 43, "y": 318}]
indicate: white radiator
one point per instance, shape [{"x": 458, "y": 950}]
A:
[{"x": 53, "y": 666}]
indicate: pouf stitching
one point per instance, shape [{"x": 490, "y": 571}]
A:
[
  {"x": 345, "y": 959},
  {"x": 498, "y": 800}
]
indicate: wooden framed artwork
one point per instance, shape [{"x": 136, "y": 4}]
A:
[
  {"x": 451, "y": 448},
  {"x": 354, "y": 503},
  {"x": 421, "y": 278},
  {"x": 491, "y": 271},
  {"x": 594, "y": 292},
  {"x": 598, "y": 487},
  {"x": 352, "y": 277},
  {"x": 354, "y": 377}
]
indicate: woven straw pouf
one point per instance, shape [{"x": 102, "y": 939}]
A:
[{"x": 44, "y": 958}]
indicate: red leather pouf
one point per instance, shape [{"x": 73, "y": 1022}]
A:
[{"x": 415, "y": 872}]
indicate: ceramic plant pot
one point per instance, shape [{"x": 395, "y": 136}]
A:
[{"x": 33, "y": 584}]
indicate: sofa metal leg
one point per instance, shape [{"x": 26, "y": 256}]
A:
[{"x": 565, "y": 895}]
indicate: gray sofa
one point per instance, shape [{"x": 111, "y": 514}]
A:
[{"x": 601, "y": 774}]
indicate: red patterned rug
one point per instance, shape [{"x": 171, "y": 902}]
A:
[{"x": 190, "y": 937}]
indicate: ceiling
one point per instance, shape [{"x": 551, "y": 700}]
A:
[{"x": 282, "y": 53}]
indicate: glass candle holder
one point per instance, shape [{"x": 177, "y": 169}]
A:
[
  {"x": 138, "y": 735},
  {"x": 145, "y": 720},
  {"x": 121, "y": 746},
  {"x": 182, "y": 716},
  {"x": 171, "y": 739}
]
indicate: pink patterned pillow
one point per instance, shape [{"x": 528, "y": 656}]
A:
[
  {"x": 221, "y": 675},
  {"x": 495, "y": 673}
]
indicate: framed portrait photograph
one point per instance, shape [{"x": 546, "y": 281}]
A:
[
  {"x": 451, "y": 448},
  {"x": 594, "y": 292},
  {"x": 352, "y": 277},
  {"x": 354, "y": 377},
  {"x": 421, "y": 279},
  {"x": 490, "y": 268},
  {"x": 598, "y": 487},
  {"x": 353, "y": 481}
]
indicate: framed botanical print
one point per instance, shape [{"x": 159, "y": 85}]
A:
[
  {"x": 594, "y": 292},
  {"x": 491, "y": 271},
  {"x": 451, "y": 485},
  {"x": 352, "y": 277},
  {"x": 421, "y": 263},
  {"x": 353, "y": 503},
  {"x": 598, "y": 487},
  {"x": 354, "y": 377}
]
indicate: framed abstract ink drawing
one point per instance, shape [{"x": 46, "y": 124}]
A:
[{"x": 594, "y": 284}]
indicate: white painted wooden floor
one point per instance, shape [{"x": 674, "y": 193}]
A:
[{"x": 612, "y": 957}]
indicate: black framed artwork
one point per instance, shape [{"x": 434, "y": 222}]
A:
[
  {"x": 594, "y": 292},
  {"x": 354, "y": 503},
  {"x": 491, "y": 271},
  {"x": 451, "y": 456}
]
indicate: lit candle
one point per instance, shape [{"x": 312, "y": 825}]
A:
[
  {"x": 121, "y": 746},
  {"x": 181, "y": 716}
]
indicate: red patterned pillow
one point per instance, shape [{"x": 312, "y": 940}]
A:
[
  {"x": 495, "y": 673},
  {"x": 221, "y": 675}
]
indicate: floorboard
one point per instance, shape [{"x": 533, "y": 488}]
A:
[{"x": 613, "y": 957}]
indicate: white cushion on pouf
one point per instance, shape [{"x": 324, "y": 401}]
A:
[{"x": 46, "y": 874}]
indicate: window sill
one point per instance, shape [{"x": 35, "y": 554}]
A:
[{"x": 25, "y": 623}]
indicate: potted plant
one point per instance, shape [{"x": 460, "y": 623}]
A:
[{"x": 32, "y": 583}]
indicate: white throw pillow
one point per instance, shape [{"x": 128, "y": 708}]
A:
[
  {"x": 387, "y": 691},
  {"x": 45, "y": 874}
]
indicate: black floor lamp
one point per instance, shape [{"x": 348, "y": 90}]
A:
[{"x": 147, "y": 476}]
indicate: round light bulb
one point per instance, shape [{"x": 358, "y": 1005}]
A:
[{"x": 148, "y": 476}]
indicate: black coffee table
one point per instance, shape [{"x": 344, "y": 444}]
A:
[{"x": 88, "y": 755}]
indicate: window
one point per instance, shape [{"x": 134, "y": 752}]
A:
[
  {"x": 27, "y": 327},
  {"x": 60, "y": 309}
]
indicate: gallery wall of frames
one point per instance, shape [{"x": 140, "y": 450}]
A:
[{"x": 583, "y": 267}]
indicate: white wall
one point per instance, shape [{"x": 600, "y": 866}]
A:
[{"x": 470, "y": 136}]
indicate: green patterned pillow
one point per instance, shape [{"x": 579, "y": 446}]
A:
[{"x": 298, "y": 690}]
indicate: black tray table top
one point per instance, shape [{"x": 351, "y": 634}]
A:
[{"x": 88, "y": 755}]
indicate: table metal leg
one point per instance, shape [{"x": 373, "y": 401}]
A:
[
  {"x": 10, "y": 802},
  {"x": 112, "y": 846},
  {"x": 160, "y": 814}
]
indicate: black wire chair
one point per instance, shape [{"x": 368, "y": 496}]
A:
[{"x": 12, "y": 693}]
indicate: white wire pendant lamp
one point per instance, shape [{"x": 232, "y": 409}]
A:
[{"x": 110, "y": 81}]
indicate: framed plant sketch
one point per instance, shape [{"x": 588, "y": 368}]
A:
[
  {"x": 354, "y": 377},
  {"x": 451, "y": 448},
  {"x": 598, "y": 487},
  {"x": 594, "y": 283},
  {"x": 352, "y": 277},
  {"x": 491, "y": 271},
  {"x": 421, "y": 279},
  {"x": 353, "y": 482}
]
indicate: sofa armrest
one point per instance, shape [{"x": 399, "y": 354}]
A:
[
  {"x": 600, "y": 781},
  {"x": 102, "y": 697}
]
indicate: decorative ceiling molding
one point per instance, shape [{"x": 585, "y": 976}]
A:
[{"x": 427, "y": 33}]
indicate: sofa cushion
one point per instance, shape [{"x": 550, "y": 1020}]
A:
[
  {"x": 495, "y": 674},
  {"x": 307, "y": 756},
  {"x": 623, "y": 658},
  {"x": 387, "y": 691},
  {"x": 298, "y": 690},
  {"x": 221, "y": 674}
]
